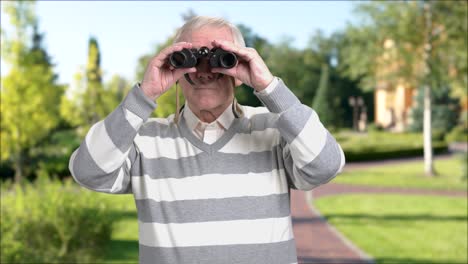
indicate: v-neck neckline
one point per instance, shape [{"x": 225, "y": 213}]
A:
[{"x": 209, "y": 148}]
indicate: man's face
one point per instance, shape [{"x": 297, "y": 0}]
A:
[{"x": 209, "y": 93}]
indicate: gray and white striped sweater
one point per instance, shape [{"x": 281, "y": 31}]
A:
[{"x": 227, "y": 202}]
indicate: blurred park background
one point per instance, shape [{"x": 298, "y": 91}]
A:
[{"x": 390, "y": 83}]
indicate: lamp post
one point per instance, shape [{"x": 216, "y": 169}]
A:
[{"x": 355, "y": 102}]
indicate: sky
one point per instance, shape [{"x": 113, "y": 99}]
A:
[{"x": 127, "y": 30}]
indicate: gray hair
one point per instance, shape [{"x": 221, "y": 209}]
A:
[{"x": 198, "y": 22}]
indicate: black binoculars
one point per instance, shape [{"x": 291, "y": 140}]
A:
[{"x": 217, "y": 57}]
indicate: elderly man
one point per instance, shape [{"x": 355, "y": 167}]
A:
[{"x": 211, "y": 183}]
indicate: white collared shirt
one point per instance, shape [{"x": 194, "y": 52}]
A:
[
  {"x": 211, "y": 132},
  {"x": 208, "y": 132}
]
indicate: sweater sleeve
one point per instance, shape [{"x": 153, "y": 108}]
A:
[
  {"x": 104, "y": 158},
  {"x": 310, "y": 153}
]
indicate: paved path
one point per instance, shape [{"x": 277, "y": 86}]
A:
[
  {"x": 319, "y": 242},
  {"x": 316, "y": 240}
]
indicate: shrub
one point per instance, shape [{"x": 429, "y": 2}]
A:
[
  {"x": 375, "y": 128},
  {"x": 384, "y": 145},
  {"x": 53, "y": 154},
  {"x": 375, "y": 153},
  {"x": 51, "y": 222},
  {"x": 458, "y": 134},
  {"x": 50, "y": 156},
  {"x": 444, "y": 111}
]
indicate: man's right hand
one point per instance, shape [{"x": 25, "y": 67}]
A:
[{"x": 159, "y": 75}]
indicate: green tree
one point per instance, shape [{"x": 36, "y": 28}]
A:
[
  {"x": 322, "y": 102},
  {"x": 314, "y": 56},
  {"x": 286, "y": 62},
  {"x": 71, "y": 105},
  {"x": 93, "y": 101},
  {"x": 326, "y": 51},
  {"x": 30, "y": 93},
  {"x": 85, "y": 102},
  {"x": 444, "y": 110},
  {"x": 414, "y": 43},
  {"x": 344, "y": 85},
  {"x": 115, "y": 91}
]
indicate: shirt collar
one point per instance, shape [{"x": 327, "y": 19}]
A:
[{"x": 225, "y": 119}]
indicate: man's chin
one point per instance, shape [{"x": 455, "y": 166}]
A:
[
  {"x": 203, "y": 88},
  {"x": 207, "y": 103}
]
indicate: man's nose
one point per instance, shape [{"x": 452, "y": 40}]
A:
[{"x": 204, "y": 70}]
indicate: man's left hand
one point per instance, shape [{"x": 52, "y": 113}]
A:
[{"x": 250, "y": 68}]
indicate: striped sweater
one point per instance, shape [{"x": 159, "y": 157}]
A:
[{"x": 227, "y": 202}]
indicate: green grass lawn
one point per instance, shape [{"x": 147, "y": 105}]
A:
[
  {"x": 124, "y": 244},
  {"x": 380, "y": 139},
  {"x": 409, "y": 175},
  {"x": 396, "y": 229}
]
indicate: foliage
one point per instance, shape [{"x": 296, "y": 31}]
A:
[
  {"x": 93, "y": 101},
  {"x": 383, "y": 23},
  {"x": 30, "y": 93},
  {"x": 401, "y": 228},
  {"x": 287, "y": 62},
  {"x": 444, "y": 111},
  {"x": 380, "y": 153},
  {"x": 87, "y": 101},
  {"x": 452, "y": 19},
  {"x": 115, "y": 91},
  {"x": 323, "y": 102},
  {"x": 411, "y": 43},
  {"x": 388, "y": 44},
  {"x": 52, "y": 155},
  {"x": 458, "y": 134},
  {"x": 322, "y": 50},
  {"x": 384, "y": 145},
  {"x": 49, "y": 222}
]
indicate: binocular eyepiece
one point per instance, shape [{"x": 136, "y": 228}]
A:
[{"x": 217, "y": 57}]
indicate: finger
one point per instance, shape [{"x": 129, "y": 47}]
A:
[
  {"x": 246, "y": 54},
  {"x": 161, "y": 58},
  {"x": 231, "y": 72},
  {"x": 178, "y": 73}
]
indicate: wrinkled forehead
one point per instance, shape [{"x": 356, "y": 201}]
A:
[{"x": 205, "y": 35}]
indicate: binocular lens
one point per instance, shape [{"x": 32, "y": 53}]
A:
[
  {"x": 190, "y": 58},
  {"x": 178, "y": 59},
  {"x": 228, "y": 60}
]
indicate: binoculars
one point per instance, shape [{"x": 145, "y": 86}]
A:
[{"x": 217, "y": 57}]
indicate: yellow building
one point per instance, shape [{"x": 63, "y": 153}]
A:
[
  {"x": 392, "y": 100},
  {"x": 392, "y": 107}
]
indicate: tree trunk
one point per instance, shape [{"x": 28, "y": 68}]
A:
[
  {"x": 427, "y": 123},
  {"x": 427, "y": 131}
]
